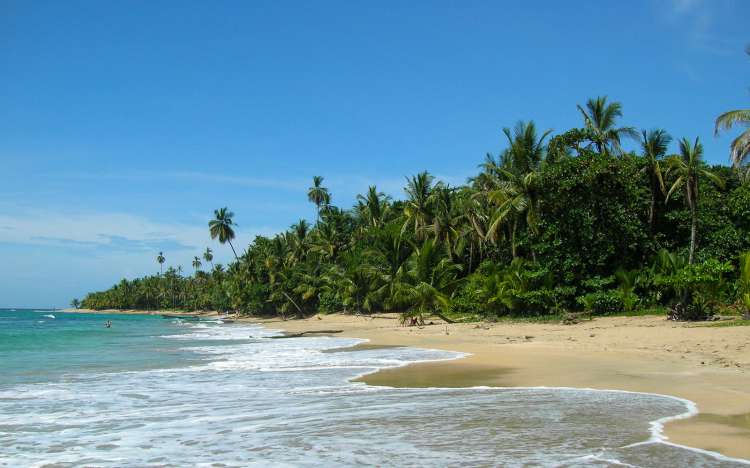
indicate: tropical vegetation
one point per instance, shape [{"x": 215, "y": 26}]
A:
[{"x": 552, "y": 224}]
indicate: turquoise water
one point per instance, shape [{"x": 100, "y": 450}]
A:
[
  {"x": 155, "y": 392},
  {"x": 35, "y": 347}
]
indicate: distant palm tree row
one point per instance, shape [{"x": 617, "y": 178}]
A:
[{"x": 554, "y": 223}]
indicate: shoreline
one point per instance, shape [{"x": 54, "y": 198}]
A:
[
  {"x": 704, "y": 365},
  {"x": 528, "y": 355}
]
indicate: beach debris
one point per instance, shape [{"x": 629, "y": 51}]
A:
[
  {"x": 570, "y": 319},
  {"x": 305, "y": 333}
]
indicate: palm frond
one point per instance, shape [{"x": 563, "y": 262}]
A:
[
  {"x": 727, "y": 120},
  {"x": 740, "y": 149}
]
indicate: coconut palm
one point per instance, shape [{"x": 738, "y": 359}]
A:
[
  {"x": 298, "y": 240},
  {"x": 430, "y": 278},
  {"x": 318, "y": 195},
  {"x": 196, "y": 263},
  {"x": 160, "y": 260},
  {"x": 526, "y": 149},
  {"x": 394, "y": 252},
  {"x": 327, "y": 241},
  {"x": 654, "y": 144},
  {"x": 221, "y": 227},
  {"x": 373, "y": 207},
  {"x": 476, "y": 214},
  {"x": 740, "y": 147},
  {"x": 515, "y": 200},
  {"x": 417, "y": 209},
  {"x": 357, "y": 287},
  {"x": 744, "y": 283},
  {"x": 208, "y": 256},
  {"x": 600, "y": 117},
  {"x": 687, "y": 168}
]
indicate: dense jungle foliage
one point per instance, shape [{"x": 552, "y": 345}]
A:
[{"x": 554, "y": 223}]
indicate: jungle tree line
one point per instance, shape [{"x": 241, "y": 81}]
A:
[{"x": 553, "y": 223}]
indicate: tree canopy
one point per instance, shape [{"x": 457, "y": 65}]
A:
[{"x": 550, "y": 223}]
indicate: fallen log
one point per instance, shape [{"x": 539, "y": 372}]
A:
[{"x": 310, "y": 332}]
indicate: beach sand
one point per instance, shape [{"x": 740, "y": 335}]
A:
[{"x": 707, "y": 365}]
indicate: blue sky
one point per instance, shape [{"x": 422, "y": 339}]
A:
[{"x": 124, "y": 124}]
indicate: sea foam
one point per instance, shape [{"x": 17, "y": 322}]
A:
[{"x": 247, "y": 399}]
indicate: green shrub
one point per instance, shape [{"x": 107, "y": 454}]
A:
[
  {"x": 602, "y": 302},
  {"x": 697, "y": 288},
  {"x": 329, "y": 303}
]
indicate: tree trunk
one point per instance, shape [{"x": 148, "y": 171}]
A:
[
  {"x": 651, "y": 212},
  {"x": 471, "y": 256},
  {"x": 513, "y": 240},
  {"x": 299, "y": 311},
  {"x": 693, "y": 236},
  {"x": 443, "y": 317},
  {"x": 233, "y": 251},
  {"x": 692, "y": 202}
]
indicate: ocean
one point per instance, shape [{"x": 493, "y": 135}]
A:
[{"x": 165, "y": 392}]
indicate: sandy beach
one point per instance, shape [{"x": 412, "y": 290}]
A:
[{"x": 707, "y": 365}]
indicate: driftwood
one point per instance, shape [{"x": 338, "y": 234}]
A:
[
  {"x": 311, "y": 332},
  {"x": 444, "y": 318}
]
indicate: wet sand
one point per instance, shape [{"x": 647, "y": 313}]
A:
[{"x": 707, "y": 365}]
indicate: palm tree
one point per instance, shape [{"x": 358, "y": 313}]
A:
[
  {"x": 417, "y": 208},
  {"x": 221, "y": 227},
  {"x": 599, "y": 118},
  {"x": 740, "y": 147},
  {"x": 208, "y": 256},
  {"x": 525, "y": 150},
  {"x": 327, "y": 241},
  {"x": 160, "y": 259},
  {"x": 446, "y": 221},
  {"x": 430, "y": 279},
  {"x": 196, "y": 263},
  {"x": 654, "y": 144},
  {"x": 688, "y": 167},
  {"x": 373, "y": 207},
  {"x": 318, "y": 195},
  {"x": 298, "y": 241},
  {"x": 390, "y": 246},
  {"x": 516, "y": 199},
  {"x": 75, "y": 303},
  {"x": 744, "y": 283}
]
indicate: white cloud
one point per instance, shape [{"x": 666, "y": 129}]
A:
[
  {"x": 684, "y": 6},
  {"x": 343, "y": 186},
  {"x": 696, "y": 20},
  {"x": 109, "y": 231}
]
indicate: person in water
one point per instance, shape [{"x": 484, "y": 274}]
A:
[{"x": 108, "y": 324}]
